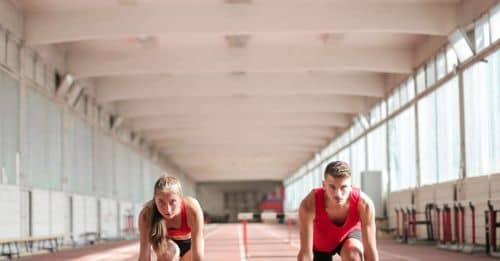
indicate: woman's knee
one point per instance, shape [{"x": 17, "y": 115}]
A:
[{"x": 172, "y": 252}]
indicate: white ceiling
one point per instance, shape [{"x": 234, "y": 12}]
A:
[{"x": 238, "y": 89}]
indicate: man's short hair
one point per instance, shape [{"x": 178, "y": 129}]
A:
[{"x": 338, "y": 169}]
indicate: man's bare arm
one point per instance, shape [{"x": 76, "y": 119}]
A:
[
  {"x": 368, "y": 228},
  {"x": 306, "y": 216}
]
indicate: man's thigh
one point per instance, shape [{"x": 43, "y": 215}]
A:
[{"x": 322, "y": 256}]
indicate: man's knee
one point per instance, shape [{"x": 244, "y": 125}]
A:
[{"x": 352, "y": 251}]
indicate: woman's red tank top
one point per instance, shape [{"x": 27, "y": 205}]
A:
[
  {"x": 327, "y": 236},
  {"x": 184, "y": 229}
]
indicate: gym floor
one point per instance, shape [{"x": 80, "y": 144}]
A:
[{"x": 265, "y": 242}]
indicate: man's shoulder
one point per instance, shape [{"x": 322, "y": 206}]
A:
[
  {"x": 308, "y": 203},
  {"x": 365, "y": 202}
]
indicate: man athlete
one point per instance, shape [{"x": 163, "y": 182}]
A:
[{"x": 337, "y": 219}]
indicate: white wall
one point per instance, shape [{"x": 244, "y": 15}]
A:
[
  {"x": 40, "y": 212},
  {"x": 10, "y": 201},
  {"x": 58, "y": 213},
  {"x": 108, "y": 218},
  {"x": 125, "y": 209}
]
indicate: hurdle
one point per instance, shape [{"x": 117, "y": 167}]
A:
[
  {"x": 402, "y": 224},
  {"x": 244, "y": 218},
  {"x": 445, "y": 225},
  {"x": 268, "y": 216},
  {"x": 473, "y": 246},
  {"x": 491, "y": 225},
  {"x": 413, "y": 223}
]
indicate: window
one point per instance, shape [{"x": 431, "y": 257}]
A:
[
  {"x": 9, "y": 130},
  {"x": 402, "y": 150},
  {"x": 482, "y": 33},
  {"x": 439, "y": 139},
  {"x": 410, "y": 86},
  {"x": 377, "y": 149},
  {"x": 482, "y": 116},
  {"x": 495, "y": 23},
  {"x": 430, "y": 73},
  {"x": 451, "y": 59},
  {"x": 420, "y": 80},
  {"x": 461, "y": 45},
  {"x": 375, "y": 114},
  {"x": 427, "y": 139},
  {"x": 403, "y": 94},
  {"x": 358, "y": 163},
  {"x": 393, "y": 101},
  {"x": 42, "y": 142},
  {"x": 440, "y": 65}
]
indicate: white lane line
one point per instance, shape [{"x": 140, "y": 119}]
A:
[{"x": 240, "y": 242}]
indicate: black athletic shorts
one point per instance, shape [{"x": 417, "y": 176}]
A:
[
  {"x": 327, "y": 256},
  {"x": 184, "y": 245}
]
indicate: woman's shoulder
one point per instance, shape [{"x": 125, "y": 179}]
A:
[
  {"x": 191, "y": 202},
  {"x": 146, "y": 210},
  {"x": 193, "y": 207}
]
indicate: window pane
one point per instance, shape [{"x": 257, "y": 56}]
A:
[
  {"x": 440, "y": 65},
  {"x": 451, "y": 59},
  {"x": 427, "y": 139},
  {"x": 482, "y": 116},
  {"x": 448, "y": 135},
  {"x": 420, "y": 80},
  {"x": 403, "y": 94},
  {"x": 402, "y": 150},
  {"x": 358, "y": 163},
  {"x": 9, "y": 128},
  {"x": 482, "y": 33},
  {"x": 393, "y": 101},
  {"x": 430, "y": 73},
  {"x": 495, "y": 23},
  {"x": 410, "y": 86},
  {"x": 377, "y": 149},
  {"x": 375, "y": 114},
  {"x": 345, "y": 155},
  {"x": 461, "y": 46},
  {"x": 383, "y": 109}
]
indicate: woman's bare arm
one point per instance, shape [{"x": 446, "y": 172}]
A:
[
  {"x": 145, "y": 249},
  {"x": 196, "y": 222}
]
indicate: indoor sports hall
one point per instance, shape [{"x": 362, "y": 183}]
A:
[{"x": 249, "y": 130}]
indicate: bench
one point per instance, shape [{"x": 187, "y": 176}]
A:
[
  {"x": 12, "y": 246},
  {"x": 90, "y": 237}
]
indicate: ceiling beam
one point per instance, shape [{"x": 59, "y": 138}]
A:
[
  {"x": 284, "y": 140},
  {"x": 203, "y": 59},
  {"x": 229, "y": 119},
  {"x": 110, "y": 89},
  {"x": 243, "y": 105},
  {"x": 236, "y": 132},
  {"x": 266, "y": 16}
]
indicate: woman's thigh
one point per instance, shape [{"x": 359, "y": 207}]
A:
[{"x": 187, "y": 256}]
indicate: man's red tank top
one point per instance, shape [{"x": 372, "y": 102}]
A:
[
  {"x": 327, "y": 236},
  {"x": 184, "y": 229}
]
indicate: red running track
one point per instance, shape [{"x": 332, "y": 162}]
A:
[{"x": 265, "y": 242}]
